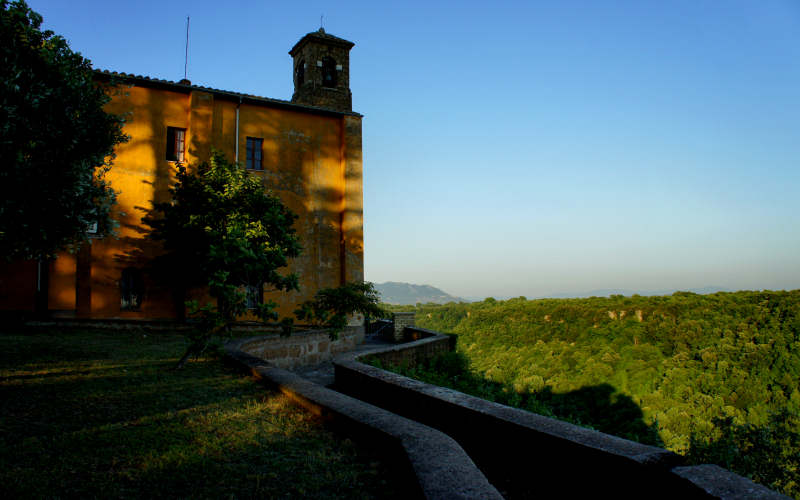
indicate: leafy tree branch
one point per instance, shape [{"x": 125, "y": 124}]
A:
[
  {"x": 223, "y": 231},
  {"x": 56, "y": 141}
]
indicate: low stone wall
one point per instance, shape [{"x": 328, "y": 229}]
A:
[
  {"x": 302, "y": 348},
  {"x": 431, "y": 464},
  {"x": 428, "y": 345},
  {"x": 380, "y": 327},
  {"x": 402, "y": 321},
  {"x": 527, "y": 455}
]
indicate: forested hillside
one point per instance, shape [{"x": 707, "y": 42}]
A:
[
  {"x": 716, "y": 376},
  {"x": 393, "y": 292}
]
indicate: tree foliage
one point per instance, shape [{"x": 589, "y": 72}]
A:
[
  {"x": 56, "y": 142},
  {"x": 223, "y": 230},
  {"x": 331, "y": 306}
]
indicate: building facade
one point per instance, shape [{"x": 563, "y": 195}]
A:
[{"x": 307, "y": 151}]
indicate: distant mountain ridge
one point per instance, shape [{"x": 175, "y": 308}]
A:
[
  {"x": 644, "y": 293},
  {"x": 607, "y": 292},
  {"x": 396, "y": 293}
]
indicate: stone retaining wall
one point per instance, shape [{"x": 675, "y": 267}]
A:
[
  {"x": 429, "y": 345},
  {"x": 302, "y": 348},
  {"x": 527, "y": 455}
]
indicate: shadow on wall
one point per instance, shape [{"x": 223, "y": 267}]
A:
[
  {"x": 316, "y": 202},
  {"x": 159, "y": 297}
]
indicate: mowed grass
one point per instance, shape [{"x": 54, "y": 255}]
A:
[{"x": 100, "y": 414}]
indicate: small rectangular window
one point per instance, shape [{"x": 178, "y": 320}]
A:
[
  {"x": 254, "y": 147},
  {"x": 131, "y": 287},
  {"x": 176, "y": 143},
  {"x": 255, "y": 296}
]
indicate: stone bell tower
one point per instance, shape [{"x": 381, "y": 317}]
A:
[{"x": 322, "y": 71}]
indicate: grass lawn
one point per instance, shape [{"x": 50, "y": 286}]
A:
[{"x": 101, "y": 414}]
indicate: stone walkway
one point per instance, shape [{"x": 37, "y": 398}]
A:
[{"x": 322, "y": 373}]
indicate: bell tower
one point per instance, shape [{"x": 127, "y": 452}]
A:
[{"x": 322, "y": 71}]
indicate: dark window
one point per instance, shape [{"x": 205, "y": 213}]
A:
[
  {"x": 176, "y": 143},
  {"x": 328, "y": 72},
  {"x": 254, "y": 145},
  {"x": 301, "y": 73},
  {"x": 131, "y": 289},
  {"x": 255, "y": 296}
]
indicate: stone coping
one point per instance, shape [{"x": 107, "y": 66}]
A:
[
  {"x": 659, "y": 465},
  {"x": 441, "y": 467},
  {"x": 722, "y": 483},
  {"x": 562, "y": 430}
]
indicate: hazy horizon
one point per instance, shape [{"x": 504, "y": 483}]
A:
[
  {"x": 588, "y": 292},
  {"x": 528, "y": 148},
  {"x": 599, "y": 292}
]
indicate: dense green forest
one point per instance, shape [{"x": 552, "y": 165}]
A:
[{"x": 714, "y": 377}]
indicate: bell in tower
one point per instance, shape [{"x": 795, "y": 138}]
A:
[{"x": 322, "y": 71}]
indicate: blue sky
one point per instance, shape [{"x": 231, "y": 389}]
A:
[{"x": 528, "y": 148}]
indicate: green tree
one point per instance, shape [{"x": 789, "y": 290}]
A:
[
  {"x": 56, "y": 142},
  {"x": 223, "y": 230},
  {"x": 331, "y": 306}
]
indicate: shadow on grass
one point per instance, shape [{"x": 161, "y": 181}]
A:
[
  {"x": 197, "y": 455},
  {"x": 127, "y": 425},
  {"x": 35, "y": 405}
]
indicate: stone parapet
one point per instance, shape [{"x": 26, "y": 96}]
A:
[
  {"x": 561, "y": 460},
  {"x": 429, "y": 344},
  {"x": 303, "y": 348},
  {"x": 401, "y": 321}
]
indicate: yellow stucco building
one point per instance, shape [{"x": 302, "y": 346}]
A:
[{"x": 307, "y": 151}]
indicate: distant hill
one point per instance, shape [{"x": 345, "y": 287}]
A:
[
  {"x": 396, "y": 293},
  {"x": 607, "y": 292},
  {"x": 644, "y": 293}
]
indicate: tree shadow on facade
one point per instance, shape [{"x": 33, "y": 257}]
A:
[
  {"x": 161, "y": 282},
  {"x": 301, "y": 164},
  {"x": 131, "y": 274}
]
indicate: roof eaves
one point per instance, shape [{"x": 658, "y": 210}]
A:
[
  {"x": 321, "y": 35},
  {"x": 183, "y": 87}
]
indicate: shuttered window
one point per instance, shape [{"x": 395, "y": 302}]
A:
[
  {"x": 254, "y": 145},
  {"x": 176, "y": 143}
]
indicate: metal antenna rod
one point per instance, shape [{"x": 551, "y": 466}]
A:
[
  {"x": 320, "y": 20},
  {"x": 186, "y": 57}
]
